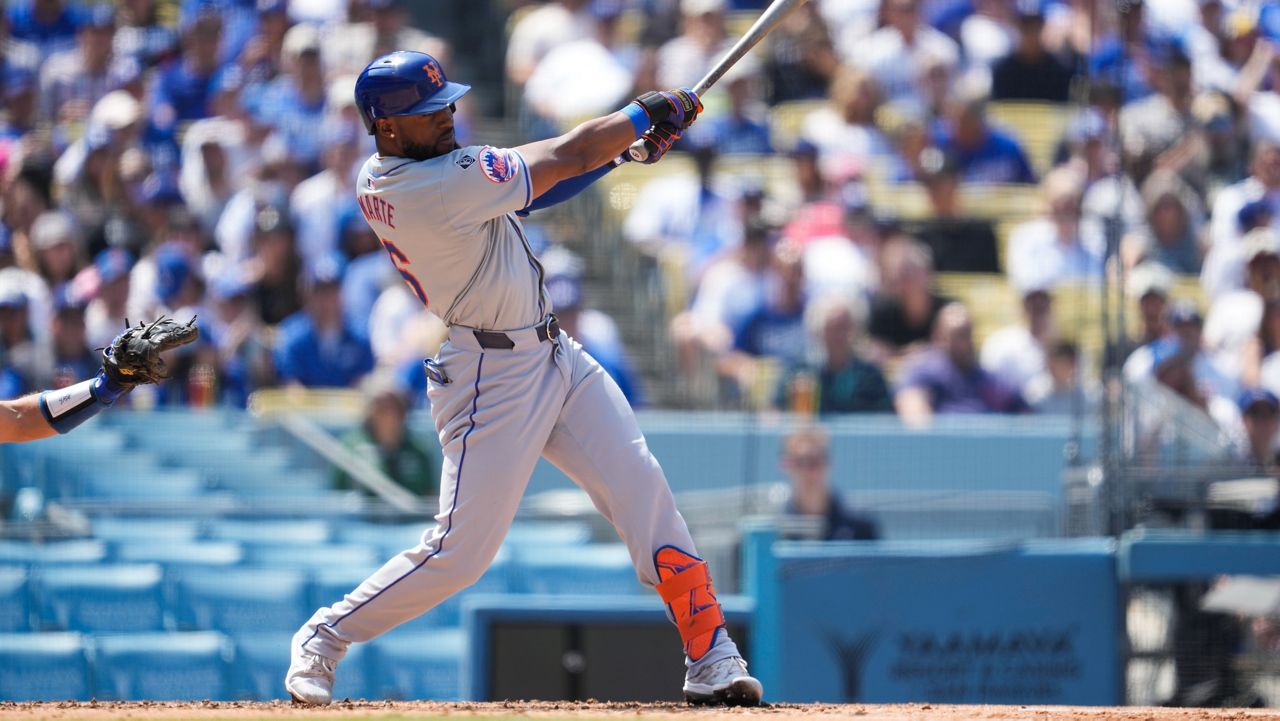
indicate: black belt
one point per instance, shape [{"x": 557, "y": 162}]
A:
[{"x": 547, "y": 330}]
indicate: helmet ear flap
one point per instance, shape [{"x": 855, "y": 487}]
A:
[{"x": 365, "y": 118}]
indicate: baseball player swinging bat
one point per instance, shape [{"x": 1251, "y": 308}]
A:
[{"x": 768, "y": 20}]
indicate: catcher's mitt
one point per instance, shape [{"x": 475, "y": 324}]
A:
[{"x": 134, "y": 356}]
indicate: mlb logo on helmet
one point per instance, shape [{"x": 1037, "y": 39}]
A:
[{"x": 498, "y": 165}]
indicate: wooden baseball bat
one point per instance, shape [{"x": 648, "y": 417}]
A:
[{"x": 768, "y": 20}]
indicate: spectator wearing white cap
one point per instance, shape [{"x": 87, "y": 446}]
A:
[
  {"x": 539, "y": 31},
  {"x": 57, "y": 244},
  {"x": 1016, "y": 354},
  {"x": 294, "y": 103},
  {"x": 112, "y": 128},
  {"x": 845, "y": 131},
  {"x": 587, "y": 76},
  {"x": 897, "y": 52},
  {"x": 1235, "y": 316}
]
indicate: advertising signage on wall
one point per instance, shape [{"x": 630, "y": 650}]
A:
[{"x": 957, "y": 624}]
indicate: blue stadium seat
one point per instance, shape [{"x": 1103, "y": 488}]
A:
[
  {"x": 98, "y": 599},
  {"x": 44, "y": 667},
  {"x": 537, "y": 534},
  {"x": 241, "y": 599},
  {"x": 152, "y": 484},
  {"x": 262, "y": 659},
  {"x": 388, "y": 538},
  {"x": 180, "y": 555},
  {"x": 330, "y": 584},
  {"x": 81, "y": 551},
  {"x": 15, "y": 601},
  {"x": 418, "y": 666},
  {"x": 162, "y": 666},
  {"x": 312, "y": 556},
  {"x": 600, "y": 568},
  {"x": 273, "y": 532},
  {"x": 152, "y": 530}
]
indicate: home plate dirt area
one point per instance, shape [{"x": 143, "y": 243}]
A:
[{"x": 576, "y": 711}]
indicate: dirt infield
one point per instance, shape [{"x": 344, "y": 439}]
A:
[{"x": 411, "y": 711}]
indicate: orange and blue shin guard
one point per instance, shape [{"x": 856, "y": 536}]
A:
[{"x": 685, "y": 586}]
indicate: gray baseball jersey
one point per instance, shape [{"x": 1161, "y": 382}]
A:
[{"x": 449, "y": 225}]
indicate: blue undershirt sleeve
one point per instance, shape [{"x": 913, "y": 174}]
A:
[{"x": 566, "y": 189}]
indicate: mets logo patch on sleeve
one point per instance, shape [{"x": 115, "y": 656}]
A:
[{"x": 498, "y": 164}]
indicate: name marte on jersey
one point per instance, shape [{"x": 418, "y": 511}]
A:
[{"x": 377, "y": 209}]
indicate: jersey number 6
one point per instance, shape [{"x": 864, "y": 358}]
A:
[{"x": 401, "y": 260}]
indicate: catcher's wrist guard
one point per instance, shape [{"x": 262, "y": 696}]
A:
[{"x": 68, "y": 407}]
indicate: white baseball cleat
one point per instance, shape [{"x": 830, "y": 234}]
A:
[
  {"x": 724, "y": 682},
  {"x": 310, "y": 677}
]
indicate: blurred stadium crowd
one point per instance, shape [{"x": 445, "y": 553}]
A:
[{"x": 199, "y": 157}]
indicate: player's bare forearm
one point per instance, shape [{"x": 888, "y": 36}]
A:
[
  {"x": 581, "y": 150},
  {"x": 21, "y": 420}
]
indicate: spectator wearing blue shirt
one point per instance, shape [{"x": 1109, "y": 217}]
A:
[
  {"x": 21, "y": 359},
  {"x": 774, "y": 330},
  {"x": 596, "y": 331},
  {"x": 18, "y": 109},
  {"x": 743, "y": 130},
  {"x": 239, "y": 21},
  {"x": 72, "y": 358},
  {"x": 947, "y": 378},
  {"x": 237, "y": 333},
  {"x": 316, "y": 347},
  {"x": 182, "y": 91},
  {"x": 368, "y": 274},
  {"x": 1124, "y": 60},
  {"x": 49, "y": 25},
  {"x": 983, "y": 153},
  {"x": 294, "y": 103}
]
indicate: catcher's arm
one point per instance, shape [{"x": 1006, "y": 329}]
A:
[
  {"x": 132, "y": 358},
  {"x": 21, "y": 420}
]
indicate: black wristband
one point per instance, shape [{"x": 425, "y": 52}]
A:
[{"x": 656, "y": 106}]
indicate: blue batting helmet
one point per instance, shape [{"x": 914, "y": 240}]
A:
[{"x": 404, "y": 83}]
